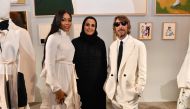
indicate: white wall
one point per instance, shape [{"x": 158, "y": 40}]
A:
[{"x": 164, "y": 56}]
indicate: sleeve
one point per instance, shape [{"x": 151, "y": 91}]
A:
[
  {"x": 104, "y": 62},
  {"x": 109, "y": 64},
  {"x": 142, "y": 69},
  {"x": 50, "y": 64},
  {"x": 26, "y": 62}
]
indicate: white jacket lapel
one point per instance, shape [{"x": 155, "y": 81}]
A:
[{"x": 128, "y": 50}]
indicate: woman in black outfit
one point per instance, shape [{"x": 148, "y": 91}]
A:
[{"x": 90, "y": 62}]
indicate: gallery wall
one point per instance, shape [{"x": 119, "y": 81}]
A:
[{"x": 164, "y": 56}]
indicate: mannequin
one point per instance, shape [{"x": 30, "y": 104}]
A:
[
  {"x": 183, "y": 81},
  {"x": 16, "y": 55}
]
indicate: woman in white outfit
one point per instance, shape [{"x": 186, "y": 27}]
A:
[{"x": 58, "y": 69}]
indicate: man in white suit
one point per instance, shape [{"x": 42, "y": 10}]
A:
[
  {"x": 183, "y": 81},
  {"x": 126, "y": 78}
]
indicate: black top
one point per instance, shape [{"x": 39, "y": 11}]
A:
[{"x": 91, "y": 67}]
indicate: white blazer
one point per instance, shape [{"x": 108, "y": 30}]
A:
[
  {"x": 132, "y": 71},
  {"x": 183, "y": 77}
]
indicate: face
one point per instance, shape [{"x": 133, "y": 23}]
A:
[
  {"x": 120, "y": 28},
  {"x": 66, "y": 22},
  {"x": 89, "y": 27}
]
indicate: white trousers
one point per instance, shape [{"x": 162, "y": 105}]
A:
[{"x": 184, "y": 99}]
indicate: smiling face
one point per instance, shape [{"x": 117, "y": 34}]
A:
[
  {"x": 90, "y": 27},
  {"x": 66, "y": 22},
  {"x": 121, "y": 26}
]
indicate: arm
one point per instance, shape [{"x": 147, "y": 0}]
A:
[
  {"x": 50, "y": 58},
  {"x": 142, "y": 69},
  {"x": 104, "y": 61}
]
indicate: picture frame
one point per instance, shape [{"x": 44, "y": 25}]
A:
[
  {"x": 18, "y": 2},
  {"x": 169, "y": 30},
  {"x": 19, "y": 18},
  {"x": 145, "y": 31},
  {"x": 172, "y": 7},
  {"x": 91, "y": 7}
]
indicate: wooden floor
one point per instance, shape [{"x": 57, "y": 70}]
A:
[
  {"x": 157, "y": 105},
  {"x": 142, "y": 105}
]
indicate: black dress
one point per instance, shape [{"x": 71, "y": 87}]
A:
[{"x": 90, "y": 62}]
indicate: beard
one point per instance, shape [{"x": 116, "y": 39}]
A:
[{"x": 121, "y": 33}]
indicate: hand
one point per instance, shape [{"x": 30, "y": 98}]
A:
[{"x": 60, "y": 96}]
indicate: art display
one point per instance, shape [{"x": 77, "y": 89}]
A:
[
  {"x": 19, "y": 18},
  {"x": 172, "y": 7},
  {"x": 145, "y": 30},
  {"x": 169, "y": 30},
  {"x": 17, "y": 2},
  {"x": 91, "y": 7}
]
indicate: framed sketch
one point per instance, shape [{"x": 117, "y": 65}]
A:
[
  {"x": 18, "y": 2},
  {"x": 19, "y": 18},
  {"x": 169, "y": 30},
  {"x": 172, "y": 7},
  {"x": 91, "y": 7},
  {"x": 145, "y": 30}
]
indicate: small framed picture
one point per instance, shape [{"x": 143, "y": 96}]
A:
[
  {"x": 169, "y": 30},
  {"x": 145, "y": 30}
]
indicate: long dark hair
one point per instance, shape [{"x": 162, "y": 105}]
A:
[{"x": 55, "y": 26}]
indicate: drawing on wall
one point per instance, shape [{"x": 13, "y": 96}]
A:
[
  {"x": 173, "y": 7},
  {"x": 18, "y": 2},
  {"x": 19, "y": 18},
  {"x": 169, "y": 29},
  {"x": 91, "y": 7},
  {"x": 145, "y": 30}
]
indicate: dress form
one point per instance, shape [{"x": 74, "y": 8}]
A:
[{"x": 17, "y": 46}]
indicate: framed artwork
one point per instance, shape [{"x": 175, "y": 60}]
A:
[
  {"x": 169, "y": 30},
  {"x": 172, "y": 7},
  {"x": 145, "y": 30},
  {"x": 19, "y": 18},
  {"x": 91, "y": 7},
  {"x": 17, "y": 2}
]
